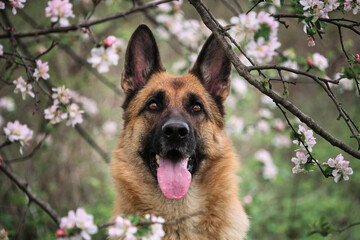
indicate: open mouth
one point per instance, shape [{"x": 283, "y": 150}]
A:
[
  {"x": 173, "y": 173},
  {"x": 155, "y": 161}
]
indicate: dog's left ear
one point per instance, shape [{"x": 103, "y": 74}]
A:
[
  {"x": 142, "y": 59},
  {"x": 213, "y": 68}
]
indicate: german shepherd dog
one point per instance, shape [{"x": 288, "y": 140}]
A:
[{"x": 173, "y": 158}]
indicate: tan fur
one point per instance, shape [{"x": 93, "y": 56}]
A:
[{"x": 214, "y": 187}]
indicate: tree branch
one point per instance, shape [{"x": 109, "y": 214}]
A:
[
  {"x": 85, "y": 24},
  {"x": 31, "y": 195},
  {"x": 213, "y": 25}
]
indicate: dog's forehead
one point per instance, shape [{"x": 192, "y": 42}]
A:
[{"x": 178, "y": 85}]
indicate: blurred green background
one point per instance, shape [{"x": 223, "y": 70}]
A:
[{"x": 68, "y": 173}]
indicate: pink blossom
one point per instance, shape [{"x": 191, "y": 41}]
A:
[
  {"x": 122, "y": 227},
  {"x": 59, "y": 10},
  {"x": 23, "y": 88},
  {"x": 311, "y": 42},
  {"x": 310, "y": 61},
  {"x": 300, "y": 160},
  {"x": 75, "y": 115},
  {"x": 88, "y": 104},
  {"x": 82, "y": 220},
  {"x": 16, "y": 4},
  {"x": 102, "y": 58},
  {"x": 2, "y": 5},
  {"x": 61, "y": 94},
  {"x": 262, "y": 51},
  {"x": 340, "y": 168},
  {"x": 54, "y": 114},
  {"x": 309, "y": 138},
  {"x": 15, "y": 131},
  {"x": 157, "y": 231},
  {"x": 41, "y": 70},
  {"x": 69, "y": 221},
  {"x": 357, "y": 58},
  {"x": 110, "y": 40},
  {"x": 320, "y": 61}
]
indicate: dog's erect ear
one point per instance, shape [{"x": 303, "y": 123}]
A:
[
  {"x": 213, "y": 68},
  {"x": 142, "y": 59}
]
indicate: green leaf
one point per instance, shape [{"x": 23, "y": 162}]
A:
[
  {"x": 328, "y": 171},
  {"x": 264, "y": 32}
]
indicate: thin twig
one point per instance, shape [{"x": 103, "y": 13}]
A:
[
  {"x": 243, "y": 71},
  {"x": 29, "y": 193},
  {"x": 85, "y": 24}
]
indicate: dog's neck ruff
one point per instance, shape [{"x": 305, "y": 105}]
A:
[{"x": 173, "y": 178}]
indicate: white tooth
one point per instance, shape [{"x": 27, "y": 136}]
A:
[{"x": 157, "y": 159}]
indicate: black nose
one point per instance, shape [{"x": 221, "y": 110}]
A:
[{"x": 175, "y": 130}]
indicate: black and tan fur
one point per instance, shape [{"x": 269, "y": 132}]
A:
[{"x": 214, "y": 185}]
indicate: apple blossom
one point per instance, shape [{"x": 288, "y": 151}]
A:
[
  {"x": 23, "y": 88},
  {"x": 59, "y": 10},
  {"x": 1, "y": 50},
  {"x": 320, "y": 61},
  {"x": 88, "y": 104},
  {"x": 75, "y": 115},
  {"x": 300, "y": 160},
  {"x": 16, "y": 4},
  {"x": 81, "y": 220},
  {"x": 311, "y": 42},
  {"x": 122, "y": 227},
  {"x": 61, "y": 94},
  {"x": 15, "y": 131},
  {"x": 157, "y": 231},
  {"x": 267, "y": 101},
  {"x": 41, "y": 70},
  {"x": 263, "y": 126},
  {"x": 102, "y": 58},
  {"x": 340, "y": 168},
  {"x": 54, "y": 114},
  {"x": 2, "y": 5},
  {"x": 235, "y": 125},
  {"x": 309, "y": 138}
]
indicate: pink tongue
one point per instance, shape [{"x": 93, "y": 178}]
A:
[{"x": 174, "y": 178}]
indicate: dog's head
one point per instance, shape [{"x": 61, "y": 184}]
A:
[{"x": 174, "y": 122}]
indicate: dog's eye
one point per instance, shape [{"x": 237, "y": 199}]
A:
[
  {"x": 153, "y": 106},
  {"x": 196, "y": 108}
]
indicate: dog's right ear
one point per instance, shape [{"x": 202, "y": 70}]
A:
[{"x": 142, "y": 59}]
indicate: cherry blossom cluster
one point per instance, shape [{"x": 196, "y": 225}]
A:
[
  {"x": 62, "y": 109},
  {"x": 318, "y": 8},
  {"x": 15, "y": 4},
  {"x": 107, "y": 54},
  {"x": 190, "y": 31},
  {"x": 258, "y": 33},
  {"x": 59, "y": 11},
  {"x": 21, "y": 86},
  {"x": 339, "y": 168},
  {"x": 79, "y": 223},
  {"x": 17, "y": 132},
  {"x": 122, "y": 227}
]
